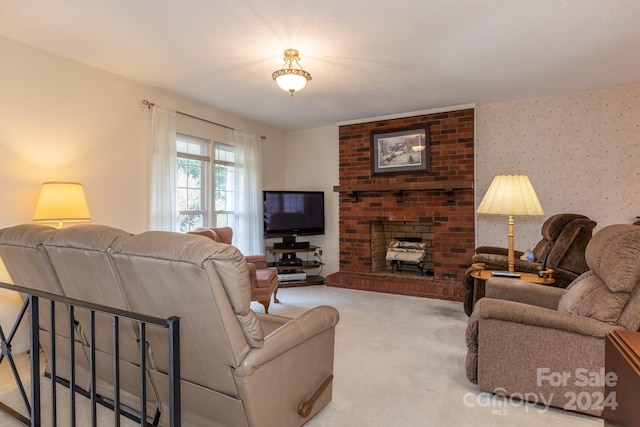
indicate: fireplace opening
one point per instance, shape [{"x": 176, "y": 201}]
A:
[
  {"x": 407, "y": 252},
  {"x": 385, "y": 232}
]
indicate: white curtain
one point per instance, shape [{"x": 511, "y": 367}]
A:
[
  {"x": 247, "y": 235},
  {"x": 164, "y": 214}
]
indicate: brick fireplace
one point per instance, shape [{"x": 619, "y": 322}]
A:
[{"x": 437, "y": 205}]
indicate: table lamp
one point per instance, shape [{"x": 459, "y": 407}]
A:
[
  {"x": 510, "y": 195},
  {"x": 61, "y": 202}
]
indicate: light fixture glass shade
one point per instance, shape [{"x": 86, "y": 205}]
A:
[
  {"x": 62, "y": 202},
  {"x": 510, "y": 195},
  {"x": 291, "y": 82},
  {"x": 289, "y": 78}
]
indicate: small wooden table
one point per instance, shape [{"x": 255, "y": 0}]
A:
[
  {"x": 622, "y": 365},
  {"x": 481, "y": 276}
]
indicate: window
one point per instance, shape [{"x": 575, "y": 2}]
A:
[
  {"x": 225, "y": 190},
  {"x": 191, "y": 181},
  {"x": 218, "y": 182}
]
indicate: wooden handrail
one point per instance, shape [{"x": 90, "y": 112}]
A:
[{"x": 305, "y": 408}]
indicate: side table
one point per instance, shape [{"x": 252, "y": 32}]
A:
[
  {"x": 481, "y": 276},
  {"x": 622, "y": 365}
]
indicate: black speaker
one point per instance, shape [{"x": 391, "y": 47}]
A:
[{"x": 291, "y": 245}]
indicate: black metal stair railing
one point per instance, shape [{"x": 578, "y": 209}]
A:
[{"x": 33, "y": 406}]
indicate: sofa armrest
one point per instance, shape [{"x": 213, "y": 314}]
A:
[
  {"x": 500, "y": 262},
  {"x": 524, "y": 292},
  {"x": 288, "y": 336},
  {"x": 271, "y": 322},
  {"x": 497, "y": 251},
  {"x": 491, "y": 250},
  {"x": 516, "y": 312},
  {"x": 260, "y": 261}
]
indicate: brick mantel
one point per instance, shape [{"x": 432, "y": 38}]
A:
[{"x": 442, "y": 196}]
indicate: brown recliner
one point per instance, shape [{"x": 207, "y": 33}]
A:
[
  {"x": 546, "y": 345},
  {"x": 564, "y": 239},
  {"x": 264, "y": 280}
]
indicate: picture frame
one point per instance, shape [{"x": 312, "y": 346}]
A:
[{"x": 403, "y": 150}]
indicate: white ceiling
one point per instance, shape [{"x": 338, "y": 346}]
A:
[{"x": 367, "y": 58}]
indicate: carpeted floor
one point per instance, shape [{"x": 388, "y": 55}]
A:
[{"x": 399, "y": 361}]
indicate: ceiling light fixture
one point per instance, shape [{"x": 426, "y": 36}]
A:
[{"x": 289, "y": 78}]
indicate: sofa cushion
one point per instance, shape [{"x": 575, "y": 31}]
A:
[
  {"x": 588, "y": 296},
  {"x": 613, "y": 255},
  {"x": 551, "y": 230},
  {"x": 212, "y": 264}
]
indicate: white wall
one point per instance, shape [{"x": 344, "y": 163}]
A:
[
  {"x": 61, "y": 120},
  {"x": 311, "y": 163},
  {"x": 581, "y": 152}
]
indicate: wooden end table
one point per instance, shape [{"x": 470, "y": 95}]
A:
[
  {"x": 622, "y": 369},
  {"x": 481, "y": 276}
]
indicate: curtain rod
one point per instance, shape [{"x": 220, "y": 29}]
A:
[{"x": 150, "y": 104}]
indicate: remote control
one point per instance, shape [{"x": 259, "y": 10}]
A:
[{"x": 505, "y": 274}]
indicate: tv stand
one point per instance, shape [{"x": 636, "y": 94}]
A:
[
  {"x": 288, "y": 262},
  {"x": 289, "y": 242}
]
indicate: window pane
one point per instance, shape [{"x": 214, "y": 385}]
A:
[
  {"x": 225, "y": 153},
  {"x": 190, "y": 181},
  {"x": 224, "y": 190},
  {"x": 226, "y": 219},
  {"x": 191, "y": 145},
  {"x": 190, "y": 222},
  {"x": 194, "y": 200},
  {"x": 195, "y": 187},
  {"x": 221, "y": 220},
  {"x": 182, "y": 199}
]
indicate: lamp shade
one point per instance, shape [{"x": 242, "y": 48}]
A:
[
  {"x": 510, "y": 195},
  {"x": 62, "y": 202}
]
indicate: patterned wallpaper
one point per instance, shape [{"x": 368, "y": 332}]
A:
[{"x": 581, "y": 152}]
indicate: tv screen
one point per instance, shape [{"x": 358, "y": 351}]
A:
[{"x": 293, "y": 213}]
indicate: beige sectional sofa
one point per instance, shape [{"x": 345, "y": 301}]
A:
[{"x": 238, "y": 368}]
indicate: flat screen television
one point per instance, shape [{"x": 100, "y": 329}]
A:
[{"x": 293, "y": 213}]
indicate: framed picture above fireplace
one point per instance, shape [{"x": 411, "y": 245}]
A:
[{"x": 405, "y": 150}]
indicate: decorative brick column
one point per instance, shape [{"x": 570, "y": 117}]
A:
[{"x": 451, "y": 212}]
